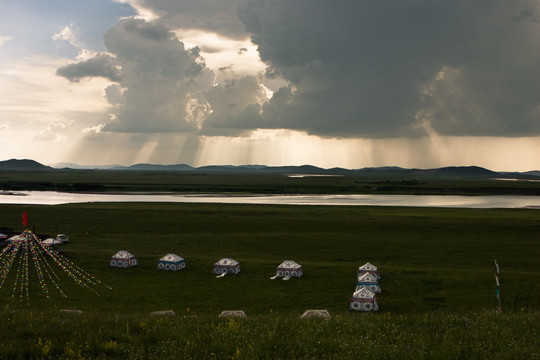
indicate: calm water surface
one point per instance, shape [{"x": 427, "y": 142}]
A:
[{"x": 497, "y": 201}]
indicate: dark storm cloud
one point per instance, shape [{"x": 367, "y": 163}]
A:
[
  {"x": 379, "y": 68},
  {"x": 353, "y": 68},
  {"x": 207, "y": 15},
  {"x": 100, "y": 65},
  {"x": 234, "y": 106}
]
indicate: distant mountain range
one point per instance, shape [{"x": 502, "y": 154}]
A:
[{"x": 378, "y": 172}]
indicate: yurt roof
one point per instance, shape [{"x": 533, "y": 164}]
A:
[
  {"x": 289, "y": 264},
  {"x": 363, "y": 293},
  {"x": 122, "y": 254},
  {"x": 367, "y": 267},
  {"x": 171, "y": 258},
  {"x": 227, "y": 262},
  {"x": 51, "y": 241},
  {"x": 16, "y": 238},
  {"x": 3, "y": 236},
  {"x": 367, "y": 277}
]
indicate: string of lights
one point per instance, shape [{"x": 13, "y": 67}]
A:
[{"x": 26, "y": 250}]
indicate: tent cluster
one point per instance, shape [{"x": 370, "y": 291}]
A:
[
  {"x": 225, "y": 266},
  {"x": 364, "y": 297},
  {"x": 51, "y": 243},
  {"x": 125, "y": 259}
]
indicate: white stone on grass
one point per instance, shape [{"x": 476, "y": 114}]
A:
[
  {"x": 163, "y": 313},
  {"x": 233, "y": 313},
  {"x": 324, "y": 314},
  {"x": 69, "y": 311}
]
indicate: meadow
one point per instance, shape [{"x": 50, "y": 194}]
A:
[
  {"x": 438, "y": 289},
  {"x": 257, "y": 183}
]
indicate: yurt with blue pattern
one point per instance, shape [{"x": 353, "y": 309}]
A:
[
  {"x": 171, "y": 262},
  {"x": 369, "y": 268},
  {"x": 123, "y": 259},
  {"x": 363, "y": 300},
  {"x": 288, "y": 269},
  {"x": 226, "y": 266},
  {"x": 370, "y": 281}
]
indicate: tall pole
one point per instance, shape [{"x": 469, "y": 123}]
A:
[{"x": 497, "y": 282}]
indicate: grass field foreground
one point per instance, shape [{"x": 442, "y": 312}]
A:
[{"x": 47, "y": 335}]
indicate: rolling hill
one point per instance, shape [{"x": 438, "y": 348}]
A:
[
  {"x": 21, "y": 165},
  {"x": 390, "y": 172}
]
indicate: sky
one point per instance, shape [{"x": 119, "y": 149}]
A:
[{"x": 345, "y": 83}]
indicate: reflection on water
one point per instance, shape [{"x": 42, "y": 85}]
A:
[
  {"x": 498, "y": 201},
  {"x": 311, "y": 175}
]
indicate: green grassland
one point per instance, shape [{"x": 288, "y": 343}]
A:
[
  {"x": 428, "y": 258},
  {"x": 259, "y": 183},
  {"x": 436, "y": 266}
]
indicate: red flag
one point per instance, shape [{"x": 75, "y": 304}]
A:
[{"x": 25, "y": 218}]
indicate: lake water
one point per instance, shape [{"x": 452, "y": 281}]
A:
[{"x": 497, "y": 201}]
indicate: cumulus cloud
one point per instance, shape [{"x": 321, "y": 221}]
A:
[
  {"x": 102, "y": 65},
  {"x": 69, "y": 34},
  {"x": 378, "y": 69},
  {"x": 161, "y": 80},
  {"x": 54, "y": 131},
  {"x": 162, "y": 86}
]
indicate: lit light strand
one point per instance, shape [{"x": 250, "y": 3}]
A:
[
  {"x": 49, "y": 271},
  {"x": 28, "y": 248},
  {"x": 39, "y": 272},
  {"x": 17, "y": 277},
  {"x": 77, "y": 273},
  {"x": 26, "y": 274},
  {"x": 6, "y": 265}
]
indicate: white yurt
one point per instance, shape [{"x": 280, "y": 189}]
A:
[
  {"x": 53, "y": 243},
  {"x": 289, "y": 268},
  {"x": 369, "y": 281},
  {"x": 369, "y": 268},
  {"x": 363, "y": 300},
  {"x": 123, "y": 259},
  {"x": 171, "y": 262},
  {"x": 226, "y": 266},
  {"x": 15, "y": 238}
]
